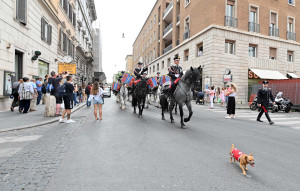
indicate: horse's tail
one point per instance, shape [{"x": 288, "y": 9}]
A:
[
  {"x": 134, "y": 101},
  {"x": 164, "y": 102}
]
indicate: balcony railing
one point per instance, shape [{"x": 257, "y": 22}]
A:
[
  {"x": 231, "y": 21},
  {"x": 254, "y": 27},
  {"x": 178, "y": 18},
  {"x": 186, "y": 35},
  {"x": 170, "y": 6},
  {"x": 273, "y": 31},
  {"x": 168, "y": 28},
  {"x": 168, "y": 49},
  {"x": 291, "y": 35}
]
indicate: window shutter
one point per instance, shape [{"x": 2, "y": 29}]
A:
[
  {"x": 74, "y": 19},
  {"x": 66, "y": 6},
  {"x": 64, "y": 42},
  {"x": 49, "y": 35},
  {"x": 43, "y": 28},
  {"x": 59, "y": 38},
  {"x": 21, "y": 11},
  {"x": 70, "y": 12}
]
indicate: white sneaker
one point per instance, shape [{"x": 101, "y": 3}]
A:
[
  {"x": 70, "y": 121},
  {"x": 233, "y": 117},
  {"x": 227, "y": 117},
  {"x": 61, "y": 120}
]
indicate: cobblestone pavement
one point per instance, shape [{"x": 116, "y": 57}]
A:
[{"x": 28, "y": 158}]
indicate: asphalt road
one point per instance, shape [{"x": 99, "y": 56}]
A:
[{"x": 123, "y": 152}]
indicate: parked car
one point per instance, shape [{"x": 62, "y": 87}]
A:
[{"x": 107, "y": 92}]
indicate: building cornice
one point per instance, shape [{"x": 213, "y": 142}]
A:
[{"x": 54, "y": 14}]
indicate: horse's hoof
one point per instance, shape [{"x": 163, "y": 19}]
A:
[
  {"x": 134, "y": 111},
  {"x": 186, "y": 120},
  {"x": 140, "y": 116},
  {"x": 183, "y": 126},
  {"x": 172, "y": 121},
  {"x": 163, "y": 118}
]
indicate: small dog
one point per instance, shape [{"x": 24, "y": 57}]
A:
[{"x": 242, "y": 158}]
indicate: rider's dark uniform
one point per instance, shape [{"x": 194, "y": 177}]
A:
[
  {"x": 139, "y": 71},
  {"x": 263, "y": 97},
  {"x": 120, "y": 77},
  {"x": 175, "y": 72}
]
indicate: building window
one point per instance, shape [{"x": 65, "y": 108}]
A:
[
  {"x": 291, "y": 2},
  {"x": 154, "y": 19},
  {"x": 43, "y": 68},
  {"x": 150, "y": 70},
  {"x": 65, "y": 43},
  {"x": 151, "y": 25},
  {"x": 290, "y": 25},
  {"x": 253, "y": 50},
  {"x": 199, "y": 49},
  {"x": 186, "y": 55},
  {"x": 162, "y": 65},
  {"x": 154, "y": 35},
  {"x": 273, "y": 54},
  {"x": 169, "y": 62},
  {"x": 253, "y": 20},
  {"x": 290, "y": 56},
  {"x": 153, "y": 69},
  {"x": 21, "y": 11},
  {"x": 46, "y": 33},
  {"x": 274, "y": 31},
  {"x": 187, "y": 2},
  {"x": 154, "y": 54},
  {"x": 157, "y": 66},
  {"x": 291, "y": 35},
  {"x": 230, "y": 8},
  {"x": 229, "y": 47}
]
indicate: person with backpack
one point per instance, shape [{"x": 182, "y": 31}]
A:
[
  {"x": 15, "y": 94},
  {"x": 88, "y": 93},
  {"x": 26, "y": 92},
  {"x": 39, "y": 90},
  {"x": 68, "y": 100}
]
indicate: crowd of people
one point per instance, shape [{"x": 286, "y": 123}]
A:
[{"x": 28, "y": 93}]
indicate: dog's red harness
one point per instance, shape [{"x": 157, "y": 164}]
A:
[{"x": 236, "y": 154}]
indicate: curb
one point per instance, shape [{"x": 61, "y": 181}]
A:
[{"x": 52, "y": 120}]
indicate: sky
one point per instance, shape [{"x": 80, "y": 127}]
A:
[{"x": 117, "y": 17}]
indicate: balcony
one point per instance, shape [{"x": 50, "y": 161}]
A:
[
  {"x": 291, "y": 36},
  {"x": 254, "y": 27},
  {"x": 186, "y": 35},
  {"x": 178, "y": 19},
  {"x": 167, "y": 16},
  {"x": 231, "y": 21},
  {"x": 273, "y": 31},
  {"x": 167, "y": 49},
  {"x": 168, "y": 32}
]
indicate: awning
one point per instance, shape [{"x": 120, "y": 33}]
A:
[
  {"x": 269, "y": 74},
  {"x": 293, "y": 75}
]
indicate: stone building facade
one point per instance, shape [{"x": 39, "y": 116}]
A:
[
  {"x": 254, "y": 39},
  {"x": 129, "y": 64},
  {"x": 27, "y": 28}
]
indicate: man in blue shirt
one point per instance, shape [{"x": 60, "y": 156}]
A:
[
  {"x": 39, "y": 90},
  {"x": 33, "y": 101}
]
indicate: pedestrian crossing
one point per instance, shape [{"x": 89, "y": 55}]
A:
[
  {"x": 11, "y": 145},
  {"x": 291, "y": 120}
]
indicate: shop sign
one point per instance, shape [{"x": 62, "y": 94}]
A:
[
  {"x": 66, "y": 67},
  {"x": 251, "y": 75}
]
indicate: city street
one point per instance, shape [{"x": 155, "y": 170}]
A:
[{"x": 123, "y": 152}]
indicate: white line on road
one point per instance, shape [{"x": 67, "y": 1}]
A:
[{"x": 19, "y": 139}]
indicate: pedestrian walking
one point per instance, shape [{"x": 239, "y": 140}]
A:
[
  {"x": 231, "y": 102},
  {"x": 75, "y": 96},
  {"x": 39, "y": 85},
  {"x": 227, "y": 92},
  {"x": 34, "y": 99},
  {"x": 68, "y": 100},
  {"x": 211, "y": 97},
  {"x": 222, "y": 96},
  {"x": 26, "y": 94},
  {"x": 15, "y": 94},
  {"x": 263, "y": 99},
  {"x": 97, "y": 97},
  {"x": 88, "y": 93},
  {"x": 44, "y": 89}
]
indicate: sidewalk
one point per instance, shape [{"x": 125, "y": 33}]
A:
[{"x": 11, "y": 121}]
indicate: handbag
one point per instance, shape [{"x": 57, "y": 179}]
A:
[{"x": 26, "y": 95}]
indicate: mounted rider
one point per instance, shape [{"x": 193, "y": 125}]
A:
[
  {"x": 175, "y": 72},
  {"x": 139, "y": 71},
  {"x": 121, "y": 76},
  {"x": 158, "y": 77}
]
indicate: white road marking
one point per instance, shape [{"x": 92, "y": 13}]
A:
[
  {"x": 19, "y": 139},
  {"x": 7, "y": 152}
]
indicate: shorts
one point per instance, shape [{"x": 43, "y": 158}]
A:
[
  {"x": 68, "y": 103},
  {"x": 98, "y": 101},
  {"x": 58, "y": 99}
]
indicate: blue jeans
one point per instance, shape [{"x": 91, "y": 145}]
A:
[
  {"x": 75, "y": 98},
  {"x": 39, "y": 97},
  {"x": 88, "y": 103}
]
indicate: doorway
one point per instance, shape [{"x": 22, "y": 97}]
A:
[{"x": 18, "y": 64}]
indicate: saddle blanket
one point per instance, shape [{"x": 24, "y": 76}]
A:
[{"x": 236, "y": 154}]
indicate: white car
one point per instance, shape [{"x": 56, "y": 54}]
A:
[{"x": 107, "y": 92}]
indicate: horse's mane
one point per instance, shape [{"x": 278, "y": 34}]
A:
[{"x": 187, "y": 73}]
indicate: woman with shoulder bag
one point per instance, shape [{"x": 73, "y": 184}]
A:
[
  {"x": 231, "y": 102},
  {"x": 26, "y": 92},
  {"x": 96, "y": 96}
]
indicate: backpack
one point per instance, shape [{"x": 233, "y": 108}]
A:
[
  {"x": 15, "y": 91},
  {"x": 26, "y": 95},
  {"x": 49, "y": 88},
  {"x": 43, "y": 89},
  {"x": 62, "y": 91},
  {"x": 87, "y": 90}
]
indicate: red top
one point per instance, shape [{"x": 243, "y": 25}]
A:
[{"x": 236, "y": 154}]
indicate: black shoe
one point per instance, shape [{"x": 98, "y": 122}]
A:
[
  {"x": 271, "y": 122},
  {"x": 259, "y": 120}
]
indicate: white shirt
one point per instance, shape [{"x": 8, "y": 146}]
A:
[
  {"x": 28, "y": 88},
  {"x": 98, "y": 96}
]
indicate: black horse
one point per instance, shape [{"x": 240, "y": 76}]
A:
[{"x": 139, "y": 96}]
